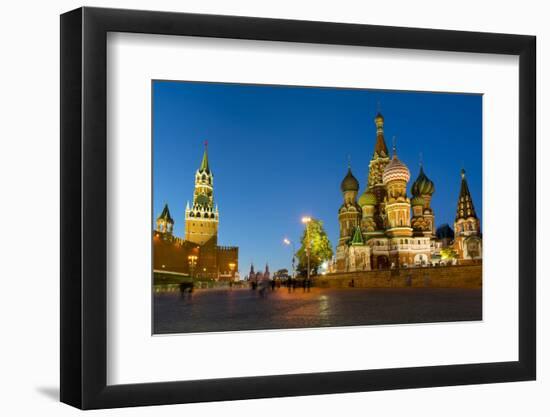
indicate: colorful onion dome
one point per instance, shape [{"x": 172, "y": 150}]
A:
[
  {"x": 396, "y": 170},
  {"x": 423, "y": 185},
  {"x": 368, "y": 198},
  {"x": 417, "y": 201},
  {"x": 349, "y": 183}
]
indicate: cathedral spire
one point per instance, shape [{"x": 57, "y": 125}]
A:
[
  {"x": 465, "y": 208},
  {"x": 380, "y": 148},
  {"x": 357, "y": 239}
]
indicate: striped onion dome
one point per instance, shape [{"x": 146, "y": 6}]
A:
[
  {"x": 396, "y": 170},
  {"x": 417, "y": 201}
]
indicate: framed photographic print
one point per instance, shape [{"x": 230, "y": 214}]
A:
[{"x": 258, "y": 208}]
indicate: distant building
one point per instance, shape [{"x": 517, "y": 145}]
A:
[
  {"x": 384, "y": 228},
  {"x": 198, "y": 254},
  {"x": 258, "y": 276}
]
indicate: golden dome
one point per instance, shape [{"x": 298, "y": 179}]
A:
[
  {"x": 368, "y": 198},
  {"x": 349, "y": 183}
]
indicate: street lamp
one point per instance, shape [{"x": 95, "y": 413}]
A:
[
  {"x": 192, "y": 262},
  {"x": 232, "y": 269},
  {"x": 290, "y": 243},
  {"x": 306, "y": 220}
]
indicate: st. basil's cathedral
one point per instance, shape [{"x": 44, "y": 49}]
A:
[{"x": 384, "y": 228}]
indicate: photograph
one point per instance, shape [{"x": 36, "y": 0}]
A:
[
  {"x": 270, "y": 208},
  {"x": 292, "y": 207}
]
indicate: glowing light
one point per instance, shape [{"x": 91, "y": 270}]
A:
[
  {"x": 306, "y": 219},
  {"x": 286, "y": 241}
]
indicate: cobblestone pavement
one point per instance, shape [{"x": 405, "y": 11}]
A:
[{"x": 243, "y": 309}]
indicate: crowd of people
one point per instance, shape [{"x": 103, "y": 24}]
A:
[{"x": 265, "y": 284}]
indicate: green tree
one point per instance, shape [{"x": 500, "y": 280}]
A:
[
  {"x": 321, "y": 249},
  {"x": 448, "y": 254}
]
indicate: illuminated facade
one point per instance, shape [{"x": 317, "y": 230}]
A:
[
  {"x": 198, "y": 254},
  {"x": 201, "y": 219},
  {"x": 467, "y": 242},
  {"x": 384, "y": 228}
]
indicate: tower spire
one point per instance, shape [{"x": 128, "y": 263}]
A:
[
  {"x": 204, "y": 163},
  {"x": 465, "y": 208},
  {"x": 201, "y": 220},
  {"x": 380, "y": 148},
  {"x": 165, "y": 223},
  {"x": 165, "y": 215}
]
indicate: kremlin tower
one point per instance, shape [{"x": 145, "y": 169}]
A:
[
  {"x": 197, "y": 255},
  {"x": 201, "y": 220},
  {"x": 165, "y": 223}
]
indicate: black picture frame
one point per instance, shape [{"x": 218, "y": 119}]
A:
[{"x": 84, "y": 207}]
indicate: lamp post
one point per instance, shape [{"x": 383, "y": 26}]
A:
[
  {"x": 192, "y": 262},
  {"x": 290, "y": 243},
  {"x": 232, "y": 269},
  {"x": 306, "y": 220}
]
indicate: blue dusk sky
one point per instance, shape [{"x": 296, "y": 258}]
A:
[{"x": 280, "y": 152}]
